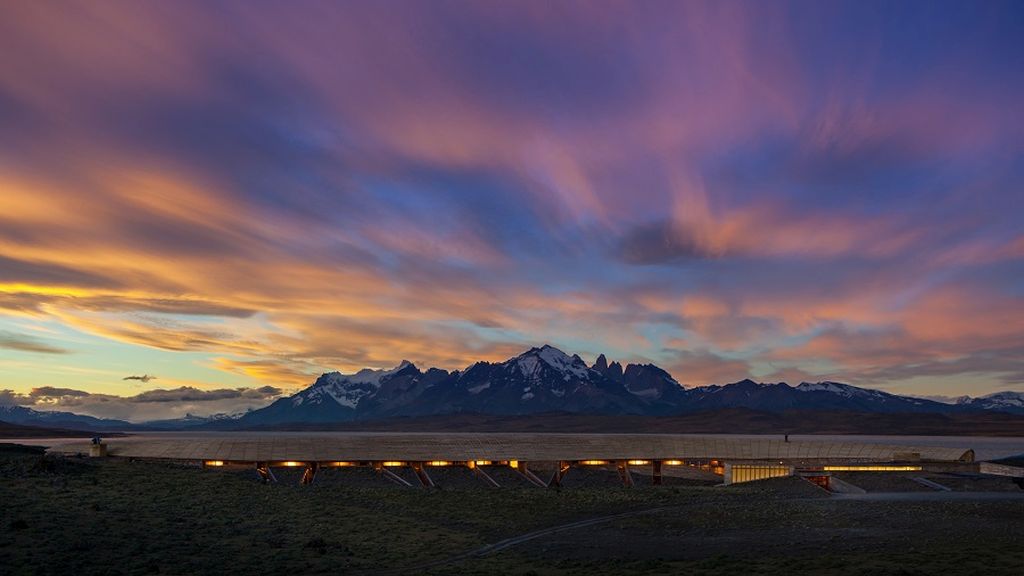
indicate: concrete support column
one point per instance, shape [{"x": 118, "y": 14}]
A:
[
  {"x": 561, "y": 468},
  {"x": 421, "y": 473},
  {"x": 266, "y": 474},
  {"x": 523, "y": 468},
  {"x": 479, "y": 473},
  {"x": 310, "y": 473},
  {"x": 627, "y": 478}
]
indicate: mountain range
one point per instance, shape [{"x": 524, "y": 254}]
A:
[
  {"x": 54, "y": 419},
  {"x": 547, "y": 380},
  {"x": 538, "y": 381}
]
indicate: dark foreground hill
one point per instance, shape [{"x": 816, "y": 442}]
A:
[{"x": 726, "y": 421}]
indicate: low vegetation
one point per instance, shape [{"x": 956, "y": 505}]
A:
[{"x": 83, "y": 517}]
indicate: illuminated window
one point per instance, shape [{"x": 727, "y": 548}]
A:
[{"x": 751, "y": 472}]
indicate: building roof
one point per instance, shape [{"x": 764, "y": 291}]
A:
[{"x": 357, "y": 446}]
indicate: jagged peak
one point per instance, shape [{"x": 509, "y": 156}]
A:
[
  {"x": 545, "y": 348},
  {"x": 364, "y": 376},
  {"x": 529, "y": 362}
]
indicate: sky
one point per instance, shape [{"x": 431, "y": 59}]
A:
[{"x": 234, "y": 197}]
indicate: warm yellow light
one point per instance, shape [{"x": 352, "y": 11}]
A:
[
  {"x": 214, "y": 463},
  {"x": 513, "y": 463},
  {"x": 339, "y": 464},
  {"x": 483, "y": 462},
  {"x": 593, "y": 462},
  {"x": 750, "y": 472},
  {"x": 291, "y": 463},
  {"x": 639, "y": 462},
  {"x": 439, "y": 463},
  {"x": 871, "y": 468},
  {"x": 393, "y": 463},
  {"x": 673, "y": 462}
]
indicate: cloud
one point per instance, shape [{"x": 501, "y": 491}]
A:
[
  {"x": 11, "y": 398},
  {"x": 791, "y": 375},
  {"x": 701, "y": 367},
  {"x": 143, "y": 378},
  {"x": 24, "y": 343},
  {"x": 46, "y": 392},
  {"x": 147, "y": 405},
  {"x": 70, "y": 396},
  {"x": 190, "y": 394},
  {"x": 764, "y": 200}
]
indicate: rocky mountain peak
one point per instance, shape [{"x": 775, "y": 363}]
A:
[{"x": 534, "y": 360}]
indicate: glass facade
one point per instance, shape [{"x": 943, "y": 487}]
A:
[{"x": 736, "y": 473}]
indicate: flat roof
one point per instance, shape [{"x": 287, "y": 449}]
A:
[{"x": 378, "y": 446}]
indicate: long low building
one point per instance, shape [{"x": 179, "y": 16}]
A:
[
  {"x": 358, "y": 446},
  {"x": 737, "y": 459}
]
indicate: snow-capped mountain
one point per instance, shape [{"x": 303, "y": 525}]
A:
[
  {"x": 346, "y": 390},
  {"x": 190, "y": 421},
  {"x": 543, "y": 379},
  {"x": 1001, "y": 401},
  {"x": 805, "y": 396},
  {"x": 52, "y": 419},
  {"x": 539, "y": 380},
  {"x": 333, "y": 397},
  {"x": 546, "y": 379},
  {"x": 866, "y": 399}
]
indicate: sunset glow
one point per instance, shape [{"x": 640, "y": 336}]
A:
[{"x": 203, "y": 208}]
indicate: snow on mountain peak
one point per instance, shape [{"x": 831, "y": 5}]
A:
[
  {"x": 346, "y": 389},
  {"x": 531, "y": 361},
  {"x": 1004, "y": 399},
  {"x": 839, "y": 388},
  {"x": 369, "y": 376}
]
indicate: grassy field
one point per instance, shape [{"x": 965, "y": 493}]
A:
[{"x": 114, "y": 517}]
